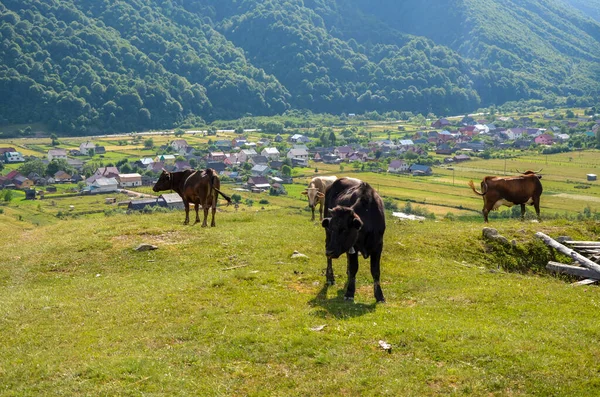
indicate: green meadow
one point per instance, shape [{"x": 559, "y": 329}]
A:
[{"x": 228, "y": 311}]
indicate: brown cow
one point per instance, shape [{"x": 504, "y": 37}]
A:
[
  {"x": 316, "y": 193},
  {"x": 497, "y": 191},
  {"x": 198, "y": 187}
]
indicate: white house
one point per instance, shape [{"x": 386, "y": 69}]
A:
[
  {"x": 397, "y": 166},
  {"x": 57, "y": 154},
  {"x": 271, "y": 153},
  {"x": 299, "y": 138},
  {"x": 179, "y": 145},
  {"x": 13, "y": 157},
  {"x": 515, "y": 133},
  {"x": 85, "y": 147},
  {"x": 246, "y": 154},
  {"x": 297, "y": 154},
  {"x": 104, "y": 185},
  {"x": 129, "y": 180}
]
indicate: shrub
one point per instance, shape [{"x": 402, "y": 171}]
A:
[{"x": 263, "y": 201}]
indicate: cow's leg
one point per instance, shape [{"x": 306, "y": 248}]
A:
[
  {"x": 375, "y": 272},
  {"x": 214, "y": 210},
  {"x": 186, "y": 204},
  {"x": 197, "y": 207},
  {"x": 329, "y": 273},
  {"x": 485, "y": 213},
  {"x": 205, "y": 210},
  {"x": 522, "y": 212},
  {"x": 351, "y": 271},
  {"x": 313, "y": 213},
  {"x": 536, "y": 205},
  {"x": 320, "y": 211}
]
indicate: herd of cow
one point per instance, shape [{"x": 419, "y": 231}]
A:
[{"x": 355, "y": 216}]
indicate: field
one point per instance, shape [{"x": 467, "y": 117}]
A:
[{"x": 227, "y": 311}]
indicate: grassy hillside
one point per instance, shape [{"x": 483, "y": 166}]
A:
[{"x": 226, "y": 311}]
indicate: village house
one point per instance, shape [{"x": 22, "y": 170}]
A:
[
  {"x": 260, "y": 170},
  {"x": 544, "y": 139},
  {"x": 418, "y": 169},
  {"x": 13, "y": 157},
  {"x": 6, "y": 149},
  {"x": 57, "y": 154},
  {"x": 256, "y": 160},
  {"x": 343, "y": 151},
  {"x": 86, "y": 147},
  {"x": 271, "y": 153},
  {"x": 239, "y": 141},
  {"x": 179, "y": 145},
  {"x": 21, "y": 182},
  {"x": 103, "y": 172},
  {"x": 258, "y": 183},
  {"x": 216, "y": 156},
  {"x": 298, "y": 138},
  {"x": 515, "y": 133},
  {"x": 397, "y": 166},
  {"x": 441, "y": 123},
  {"x": 246, "y": 154},
  {"x": 103, "y": 185},
  {"x": 129, "y": 180},
  {"x": 165, "y": 158},
  {"x": 62, "y": 177},
  {"x": 218, "y": 166},
  {"x": 301, "y": 154}
]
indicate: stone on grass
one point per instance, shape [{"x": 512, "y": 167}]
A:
[{"x": 146, "y": 247}]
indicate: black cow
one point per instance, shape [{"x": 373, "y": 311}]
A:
[{"x": 356, "y": 224}]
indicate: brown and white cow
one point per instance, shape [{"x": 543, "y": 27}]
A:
[
  {"x": 356, "y": 224},
  {"x": 316, "y": 193},
  {"x": 509, "y": 191},
  {"x": 198, "y": 187}
]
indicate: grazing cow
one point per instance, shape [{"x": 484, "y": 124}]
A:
[
  {"x": 198, "y": 187},
  {"x": 497, "y": 191},
  {"x": 356, "y": 223},
  {"x": 316, "y": 193}
]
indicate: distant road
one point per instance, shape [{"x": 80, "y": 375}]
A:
[{"x": 167, "y": 132}]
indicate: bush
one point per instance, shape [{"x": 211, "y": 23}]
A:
[{"x": 263, "y": 201}]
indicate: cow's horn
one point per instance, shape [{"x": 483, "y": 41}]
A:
[{"x": 540, "y": 170}]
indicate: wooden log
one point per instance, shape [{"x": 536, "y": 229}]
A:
[
  {"x": 569, "y": 252},
  {"x": 572, "y": 270},
  {"x": 592, "y": 243},
  {"x": 587, "y": 281}
]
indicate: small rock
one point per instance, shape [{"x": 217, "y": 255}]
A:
[
  {"x": 318, "y": 328},
  {"x": 146, "y": 247},
  {"x": 385, "y": 346},
  {"x": 562, "y": 239},
  {"x": 489, "y": 232},
  {"x": 296, "y": 254}
]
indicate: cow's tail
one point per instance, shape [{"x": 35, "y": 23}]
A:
[
  {"x": 212, "y": 186},
  {"x": 483, "y": 192},
  {"x": 226, "y": 197}
]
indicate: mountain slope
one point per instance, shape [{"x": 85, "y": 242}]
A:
[{"x": 98, "y": 65}]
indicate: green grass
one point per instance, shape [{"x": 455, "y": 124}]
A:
[{"x": 226, "y": 311}]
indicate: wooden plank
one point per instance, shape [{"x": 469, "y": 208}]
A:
[
  {"x": 570, "y": 242},
  {"x": 569, "y": 252},
  {"x": 587, "y": 281},
  {"x": 572, "y": 270}
]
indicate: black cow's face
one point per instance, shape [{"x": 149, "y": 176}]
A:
[
  {"x": 163, "y": 183},
  {"x": 342, "y": 231}
]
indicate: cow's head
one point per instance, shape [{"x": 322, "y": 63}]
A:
[
  {"x": 313, "y": 195},
  {"x": 164, "y": 182},
  {"x": 342, "y": 230}
]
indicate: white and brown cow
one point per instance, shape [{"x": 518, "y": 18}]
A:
[
  {"x": 509, "y": 191},
  {"x": 316, "y": 193}
]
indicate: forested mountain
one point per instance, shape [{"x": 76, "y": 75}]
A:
[
  {"x": 83, "y": 66},
  {"x": 590, "y": 8}
]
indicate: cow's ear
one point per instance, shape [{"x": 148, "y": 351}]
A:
[
  {"x": 304, "y": 193},
  {"x": 320, "y": 195},
  {"x": 356, "y": 223},
  {"x": 325, "y": 222}
]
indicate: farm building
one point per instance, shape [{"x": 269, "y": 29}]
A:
[{"x": 129, "y": 180}]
